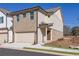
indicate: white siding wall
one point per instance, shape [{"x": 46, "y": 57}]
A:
[
  {"x": 3, "y": 37},
  {"x": 10, "y": 32},
  {"x": 9, "y": 22},
  {"x": 3, "y": 25},
  {"x": 9, "y": 25},
  {"x": 39, "y": 36},
  {"x": 41, "y": 18},
  {"x": 10, "y": 36},
  {"x": 55, "y": 18},
  {"x": 57, "y": 27},
  {"x": 57, "y": 21}
]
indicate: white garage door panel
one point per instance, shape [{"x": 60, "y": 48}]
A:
[
  {"x": 24, "y": 37},
  {"x": 3, "y": 37}
]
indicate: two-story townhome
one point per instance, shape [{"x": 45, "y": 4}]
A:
[
  {"x": 5, "y": 26},
  {"x": 36, "y": 25}
]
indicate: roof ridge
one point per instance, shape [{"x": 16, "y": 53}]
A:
[{"x": 53, "y": 9}]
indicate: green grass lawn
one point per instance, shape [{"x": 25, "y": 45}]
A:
[{"x": 61, "y": 47}]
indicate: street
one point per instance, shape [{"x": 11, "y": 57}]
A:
[{"x": 12, "y": 52}]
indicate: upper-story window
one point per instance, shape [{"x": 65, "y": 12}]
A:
[
  {"x": 17, "y": 17},
  {"x": 1, "y": 20},
  {"x": 24, "y": 15},
  {"x": 32, "y": 15}
]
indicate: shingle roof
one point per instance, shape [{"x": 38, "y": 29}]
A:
[{"x": 4, "y": 10}]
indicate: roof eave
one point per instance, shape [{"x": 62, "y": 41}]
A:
[{"x": 30, "y": 10}]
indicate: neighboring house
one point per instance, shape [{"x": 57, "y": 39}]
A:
[
  {"x": 36, "y": 25},
  {"x": 5, "y": 26}
]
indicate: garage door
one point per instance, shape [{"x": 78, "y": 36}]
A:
[
  {"x": 3, "y": 38},
  {"x": 24, "y": 38}
]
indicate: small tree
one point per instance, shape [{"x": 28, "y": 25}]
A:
[
  {"x": 75, "y": 31},
  {"x": 67, "y": 30}
]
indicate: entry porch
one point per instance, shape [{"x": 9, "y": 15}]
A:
[{"x": 44, "y": 33}]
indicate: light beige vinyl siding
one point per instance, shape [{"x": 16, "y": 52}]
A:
[
  {"x": 25, "y": 24},
  {"x": 56, "y": 34},
  {"x": 3, "y": 38}
]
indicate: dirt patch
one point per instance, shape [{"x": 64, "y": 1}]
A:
[{"x": 65, "y": 43}]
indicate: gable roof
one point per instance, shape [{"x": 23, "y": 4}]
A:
[
  {"x": 53, "y": 9},
  {"x": 4, "y": 11},
  {"x": 37, "y": 8}
]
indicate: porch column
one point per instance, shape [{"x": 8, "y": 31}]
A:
[
  {"x": 9, "y": 36},
  {"x": 39, "y": 38},
  {"x": 45, "y": 37},
  {"x": 51, "y": 34}
]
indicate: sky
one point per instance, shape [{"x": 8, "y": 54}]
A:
[{"x": 69, "y": 11}]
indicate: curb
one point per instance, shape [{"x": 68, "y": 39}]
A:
[{"x": 55, "y": 53}]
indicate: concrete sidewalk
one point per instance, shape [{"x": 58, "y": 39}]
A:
[{"x": 14, "y": 45}]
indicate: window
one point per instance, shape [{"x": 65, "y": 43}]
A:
[
  {"x": 1, "y": 20},
  {"x": 17, "y": 17},
  {"x": 32, "y": 15},
  {"x": 24, "y": 15}
]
